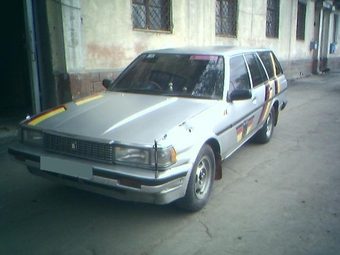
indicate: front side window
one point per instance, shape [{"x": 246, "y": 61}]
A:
[
  {"x": 301, "y": 21},
  {"x": 272, "y": 18},
  {"x": 179, "y": 75},
  {"x": 239, "y": 77},
  {"x": 151, "y": 14},
  {"x": 226, "y": 17}
]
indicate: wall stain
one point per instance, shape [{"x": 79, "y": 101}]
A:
[{"x": 112, "y": 56}]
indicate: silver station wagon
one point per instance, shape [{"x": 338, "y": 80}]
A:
[{"x": 160, "y": 131}]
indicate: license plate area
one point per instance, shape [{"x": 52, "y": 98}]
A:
[{"x": 66, "y": 167}]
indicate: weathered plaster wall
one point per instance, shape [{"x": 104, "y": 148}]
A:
[
  {"x": 55, "y": 24},
  {"x": 109, "y": 41},
  {"x": 95, "y": 39}
]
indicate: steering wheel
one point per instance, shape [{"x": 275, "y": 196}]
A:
[{"x": 155, "y": 84}]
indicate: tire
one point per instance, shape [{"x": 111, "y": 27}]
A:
[
  {"x": 266, "y": 132},
  {"x": 201, "y": 181}
]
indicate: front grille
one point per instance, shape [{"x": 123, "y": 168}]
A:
[{"x": 80, "y": 148}]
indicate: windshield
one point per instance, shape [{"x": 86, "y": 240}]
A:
[{"x": 199, "y": 76}]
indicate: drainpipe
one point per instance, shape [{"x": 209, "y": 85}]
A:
[
  {"x": 32, "y": 56},
  {"x": 319, "y": 41}
]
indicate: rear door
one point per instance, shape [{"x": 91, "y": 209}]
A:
[{"x": 261, "y": 88}]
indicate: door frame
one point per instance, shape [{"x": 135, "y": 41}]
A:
[{"x": 32, "y": 56}]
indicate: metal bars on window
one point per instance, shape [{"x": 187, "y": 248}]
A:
[
  {"x": 151, "y": 14},
  {"x": 301, "y": 21},
  {"x": 273, "y": 17},
  {"x": 226, "y": 17}
]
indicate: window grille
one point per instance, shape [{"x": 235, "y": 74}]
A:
[
  {"x": 151, "y": 14},
  {"x": 273, "y": 16},
  {"x": 226, "y": 17},
  {"x": 301, "y": 21}
]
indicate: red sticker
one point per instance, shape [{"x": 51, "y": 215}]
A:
[{"x": 203, "y": 57}]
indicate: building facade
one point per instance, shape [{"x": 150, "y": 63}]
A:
[{"x": 78, "y": 43}]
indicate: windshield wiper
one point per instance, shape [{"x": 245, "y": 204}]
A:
[
  {"x": 138, "y": 91},
  {"x": 179, "y": 94}
]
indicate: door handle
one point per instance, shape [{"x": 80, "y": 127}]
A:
[{"x": 254, "y": 100}]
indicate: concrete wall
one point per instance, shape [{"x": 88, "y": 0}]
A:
[{"x": 99, "y": 40}]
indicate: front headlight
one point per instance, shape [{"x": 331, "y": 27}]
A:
[
  {"x": 145, "y": 157},
  {"x": 132, "y": 155},
  {"x": 32, "y": 137}
]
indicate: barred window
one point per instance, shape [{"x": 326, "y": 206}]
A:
[
  {"x": 273, "y": 16},
  {"x": 151, "y": 14},
  {"x": 226, "y": 17},
  {"x": 301, "y": 21}
]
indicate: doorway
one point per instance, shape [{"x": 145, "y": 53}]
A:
[{"x": 15, "y": 97}]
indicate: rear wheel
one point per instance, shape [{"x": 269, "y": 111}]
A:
[
  {"x": 201, "y": 181},
  {"x": 265, "y": 133}
]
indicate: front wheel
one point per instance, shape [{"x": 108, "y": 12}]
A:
[
  {"x": 265, "y": 133},
  {"x": 200, "y": 182}
]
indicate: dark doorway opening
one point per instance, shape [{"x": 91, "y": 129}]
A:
[{"x": 15, "y": 96}]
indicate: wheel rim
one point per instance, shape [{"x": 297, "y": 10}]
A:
[
  {"x": 203, "y": 177},
  {"x": 269, "y": 124}
]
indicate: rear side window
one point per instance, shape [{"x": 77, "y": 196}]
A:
[
  {"x": 258, "y": 75},
  {"x": 278, "y": 67},
  {"x": 271, "y": 63},
  {"x": 239, "y": 77}
]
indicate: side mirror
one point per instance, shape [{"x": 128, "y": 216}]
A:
[
  {"x": 107, "y": 83},
  {"x": 240, "y": 94}
]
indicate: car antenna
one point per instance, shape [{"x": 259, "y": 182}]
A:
[{"x": 156, "y": 159}]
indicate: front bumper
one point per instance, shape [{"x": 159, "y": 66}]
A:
[{"x": 121, "y": 182}]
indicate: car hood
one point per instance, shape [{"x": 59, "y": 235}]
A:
[{"x": 121, "y": 117}]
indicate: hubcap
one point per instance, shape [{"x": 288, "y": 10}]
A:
[
  {"x": 203, "y": 177},
  {"x": 269, "y": 125}
]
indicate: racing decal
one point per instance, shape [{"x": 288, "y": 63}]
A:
[
  {"x": 239, "y": 132},
  {"x": 46, "y": 115},
  {"x": 268, "y": 95},
  {"x": 88, "y": 99},
  {"x": 277, "y": 86},
  {"x": 250, "y": 124},
  {"x": 243, "y": 129}
]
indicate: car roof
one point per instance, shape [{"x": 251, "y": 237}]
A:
[{"x": 205, "y": 50}]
